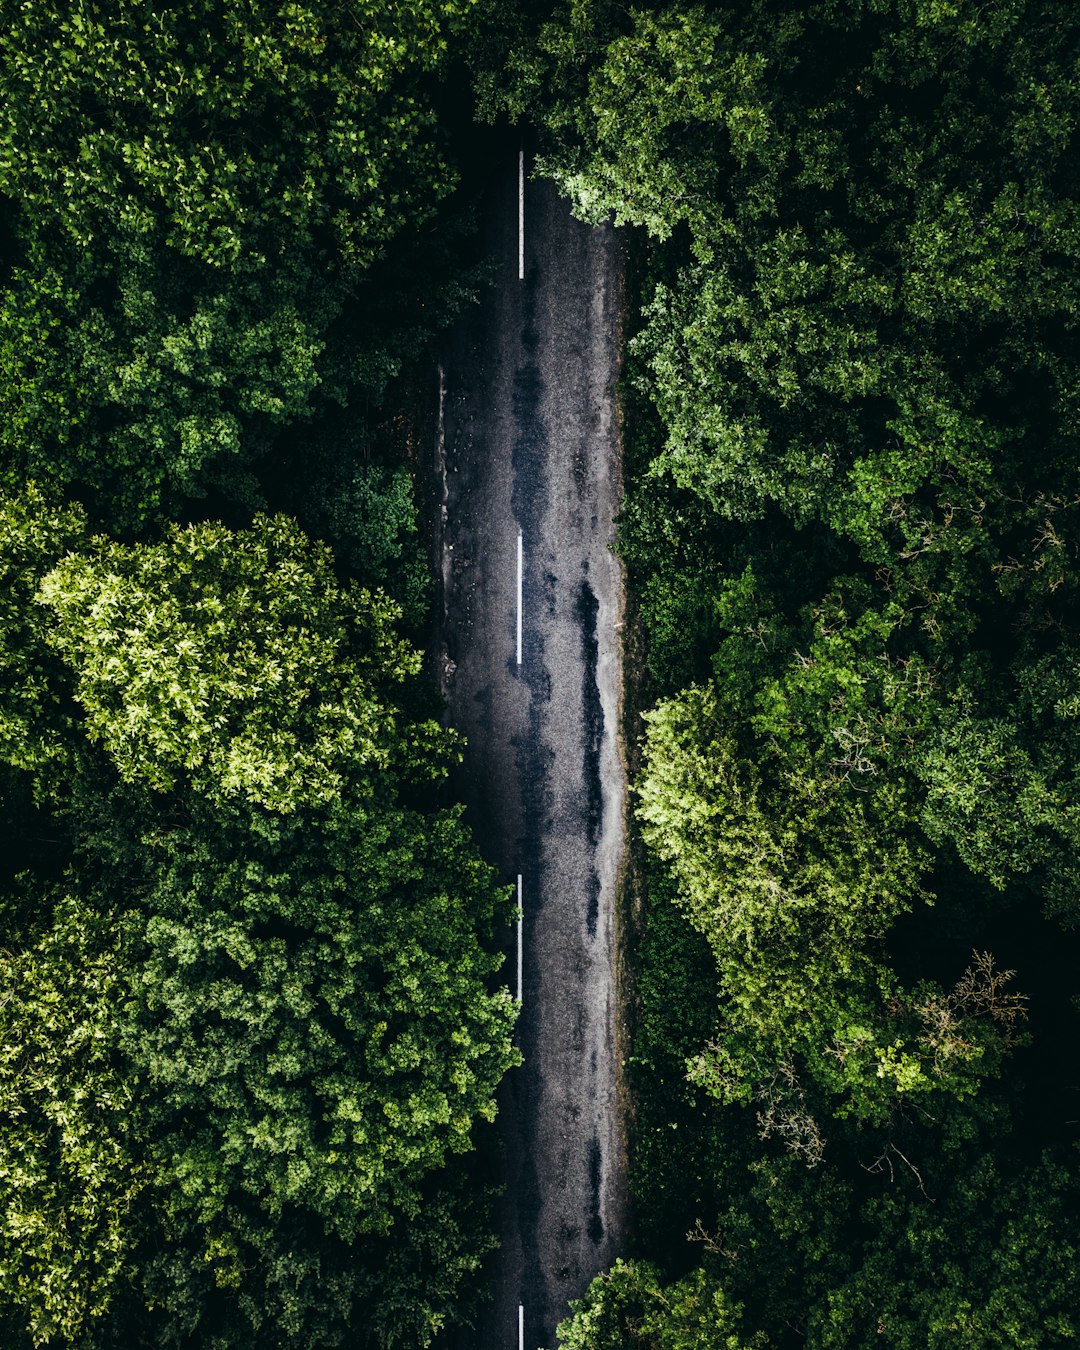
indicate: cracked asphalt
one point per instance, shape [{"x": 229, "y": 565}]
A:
[{"x": 529, "y": 442}]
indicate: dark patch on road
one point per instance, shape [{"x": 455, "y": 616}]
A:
[
  {"x": 592, "y": 910},
  {"x": 539, "y": 677},
  {"x": 587, "y": 608},
  {"x": 551, "y": 583},
  {"x": 596, "y": 1223},
  {"x": 577, "y": 1039},
  {"x": 537, "y": 797},
  {"x": 528, "y": 387}
]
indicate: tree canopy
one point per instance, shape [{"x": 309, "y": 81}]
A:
[
  {"x": 850, "y": 520},
  {"x": 251, "y": 1018},
  {"x": 199, "y": 197},
  {"x": 233, "y": 659},
  {"x": 260, "y": 1004}
]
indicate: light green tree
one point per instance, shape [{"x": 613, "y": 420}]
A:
[
  {"x": 630, "y": 1307},
  {"x": 237, "y": 660},
  {"x": 73, "y": 1166}
]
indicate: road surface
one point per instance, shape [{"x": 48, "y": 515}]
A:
[{"x": 529, "y": 458}]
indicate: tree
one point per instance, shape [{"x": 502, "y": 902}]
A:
[
  {"x": 35, "y": 723},
  {"x": 297, "y": 996},
  {"x": 216, "y": 125},
  {"x": 237, "y": 660},
  {"x": 230, "y": 1108},
  {"x": 199, "y": 192},
  {"x": 787, "y": 882},
  {"x": 309, "y": 1007},
  {"x": 790, "y": 884},
  {"x": 630, "y": 1308},
  {"x": 366, "y": 511},
  {"x": 992, "y": 1263},
  {"x": 72, "y": 1125},
  {"x": 308, "y": 1010}
]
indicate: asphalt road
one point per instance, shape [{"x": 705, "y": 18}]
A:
[{"x": 529, "y": 459}]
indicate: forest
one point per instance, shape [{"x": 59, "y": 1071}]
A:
[
  {"x": 251, "y": 1008},
  {"x": 851, "y": 531},
  {"x": 248, "y": 1012}
]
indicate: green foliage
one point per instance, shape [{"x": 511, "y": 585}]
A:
[
  {"x": 789, "y": 884},
  {"x": 629, "y": 1309},
  {"x": 179, "y": 382},
  {"x": 309, "y": 1009},
  {"x": 71, "y": 1127},
  {"x": 234, "y": 658},
  {"x": 39, "y": 414},
  {"x": 251, "y": 1011},
  {"x": 303, "y": 1287},
  {"x": 203, "y": 194},
  {"x": 790, "y": 862},
  {"x": 269, "y": 1004},
  {"x": 993, "y": 1264},
  {"x": 35, "y": 727},
  {"x": 367, "y": 515},
  {"x": 851, "y": 521},
  {"x": 675, "y": 1135},
  {"x": 107, "y": 107},
  {"x": 366, "y": 511},
  {"x": 987, "y": 1259}
]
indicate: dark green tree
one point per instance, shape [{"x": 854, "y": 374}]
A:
[
  {"x": 200, "y": 194},
  {"x": 274, "y": 978},
  {"x": 851, "y": 521}
]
